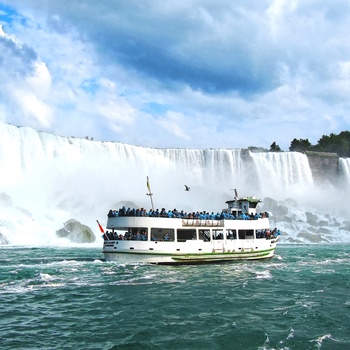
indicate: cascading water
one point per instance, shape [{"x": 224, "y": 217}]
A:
[
  {"x": 344, "y": 167},
  {"x": 282, "y": 173},
  {"x": 47, "y": 180}
]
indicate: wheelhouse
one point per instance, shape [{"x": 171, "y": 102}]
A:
[{"x": 241, "y": 206}]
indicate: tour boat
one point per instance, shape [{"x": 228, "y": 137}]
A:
[{"x": 171, "y": 237}]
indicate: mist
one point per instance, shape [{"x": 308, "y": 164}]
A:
[{"x": 47, "y": 180}]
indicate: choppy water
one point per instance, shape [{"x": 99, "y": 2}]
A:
[{"x": 67, "y": 298}]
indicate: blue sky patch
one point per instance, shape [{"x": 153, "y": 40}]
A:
[
  {"x": 90, "y": 86},
  {"x": 6, "y": 14},
  {"x": 155, "y": 108}
]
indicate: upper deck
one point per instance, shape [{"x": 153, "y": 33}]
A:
[
  {"x": 241, "y": 212},
  {"x": 125, "y": 222}
]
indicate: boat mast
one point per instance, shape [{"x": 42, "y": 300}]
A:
[{"x": 150, "y": 194}]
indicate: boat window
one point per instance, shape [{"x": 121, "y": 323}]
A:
[
  {"x": 162, "y": 234},
  {"x": 253, "y": 204},
  {"x": 262, "y": 233},
  {"x": 185, "y": 234},
  {"x": 246, "y": 234},
  {"x": 135, "y": 234},
  {"x": 204, "y": 235},
  {"x": 218, "y": 234},
  {"x": 231, "y": 234}
]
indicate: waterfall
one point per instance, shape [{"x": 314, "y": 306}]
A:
[
  {"x": 344, "y": 168},
  {"x": 283, "y": 173},
  {"x": 48, "y": 179}
]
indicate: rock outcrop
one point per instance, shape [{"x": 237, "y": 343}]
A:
[
  {"x": 3, "y": 239},
  {"x": 76, "y": 232}
]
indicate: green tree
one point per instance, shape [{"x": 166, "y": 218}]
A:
[
  {"x": 332, "y": 143},
  {"x": 300, "y": 145},
  {"x": 275, "y": 148},
  {"x": 339, "y": 144}
]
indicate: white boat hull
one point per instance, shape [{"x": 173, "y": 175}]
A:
[
  {"x": 187, "y": 252},
  {"x": 162, "y": 259}
]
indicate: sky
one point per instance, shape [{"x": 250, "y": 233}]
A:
[{"x": 177, "y": 74}]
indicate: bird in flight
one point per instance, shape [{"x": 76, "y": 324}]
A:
[{"x": 187, "y": 188}]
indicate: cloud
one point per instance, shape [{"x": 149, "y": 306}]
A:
[
  {"x": 176, "y": 124},
  {"x": 184, "y": 74},
  {"x": 34, "y": 108}
]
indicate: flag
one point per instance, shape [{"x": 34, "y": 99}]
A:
[
  {"x": 101, "y": 228},
  {"x": 104, "y": 236},
  {"x": 148, "y": 186}
]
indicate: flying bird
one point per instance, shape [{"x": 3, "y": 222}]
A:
[{"x": 187, "y": 188}]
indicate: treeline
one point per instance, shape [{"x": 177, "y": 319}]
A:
[{"x": 339, "y": 144}]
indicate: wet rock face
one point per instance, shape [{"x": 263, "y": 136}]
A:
[
  {"x": 3, "y": 239},
  {"x": 323, "y": 223},
  {"x": 299, "y": 226},
  {"x": 346, "y": 226},
  {"x": 312, "y": 219},
  {"x": 310, "y": 237},
  {"x": 5, "y": 200},
  {"x": 76, "y": 232},
  {"x": 272, "y": 205},
  {"x": 324, "y": 166},
  {"x": 281, "y": 210}
]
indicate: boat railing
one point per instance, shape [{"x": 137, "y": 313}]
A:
[{"x": 224, "y": 215}]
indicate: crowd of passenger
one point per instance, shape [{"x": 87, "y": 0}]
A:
[
  {"x": 269, "y": 234},
  {"x": 203, "y": 215},
  {"x": 134, "y": 235}
]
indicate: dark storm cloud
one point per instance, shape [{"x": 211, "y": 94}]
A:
[
  {"x": 209, "y": 48},
  {"x": 214, "y": 48}
]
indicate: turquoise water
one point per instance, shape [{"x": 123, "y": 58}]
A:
[{"x": 67, "y": 298}]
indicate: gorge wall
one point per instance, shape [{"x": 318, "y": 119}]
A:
[{"x": 325, "y": 167}]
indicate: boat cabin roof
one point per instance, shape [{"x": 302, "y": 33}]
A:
[
  {"x": 244, "y": 204},
  {"x": 245, "y": 199}
]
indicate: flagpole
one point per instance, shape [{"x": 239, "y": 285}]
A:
[{"x": 150, "y": 194}]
